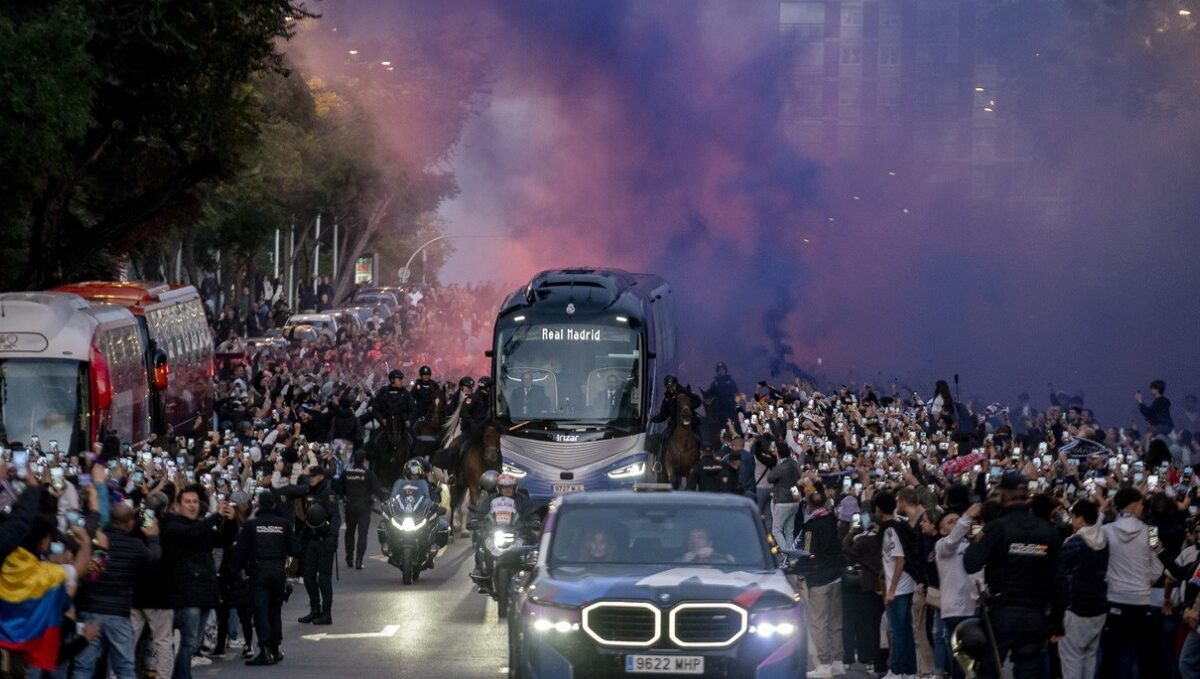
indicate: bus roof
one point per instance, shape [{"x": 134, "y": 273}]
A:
[
  {"x": 137, "y": 296},
  {"x": 52, "y": 324},
  {"x": 611, "y": 288}
]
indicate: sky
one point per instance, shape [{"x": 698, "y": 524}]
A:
[{"x": 653, "y": 136}]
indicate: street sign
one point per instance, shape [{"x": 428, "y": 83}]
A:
[
  {"x": 388, "y": 631},
  {"x": 364, "y": 269}
]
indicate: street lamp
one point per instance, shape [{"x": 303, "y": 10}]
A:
[{"x": 444, "y": 236}]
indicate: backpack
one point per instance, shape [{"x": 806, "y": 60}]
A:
[{"x": 914, "y": 561}]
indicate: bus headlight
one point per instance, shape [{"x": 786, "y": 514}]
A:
[
  {"x": 519, "y": 473},
  {"x": 629, "y": 471}
]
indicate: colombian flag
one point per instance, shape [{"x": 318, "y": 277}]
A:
[{"x": 33, "y": 597}]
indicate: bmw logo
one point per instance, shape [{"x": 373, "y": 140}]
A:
[
  {"x": 664, "y": 597},
  {"x": 570, "y": 308}
]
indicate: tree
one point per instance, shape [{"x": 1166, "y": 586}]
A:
[{"x": 154, "y": 98}]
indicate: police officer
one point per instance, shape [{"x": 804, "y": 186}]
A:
[
  {"x": 666, "y": 411},
  {"x": 719, "y": 399},
  {"x": 712, "y": 475},
  {"x": 319, "y": 538},
  {"x": 262, "y": 550},
  {"x": 477, "y": 409},
  {"x": 424, "y": 391},
  {"x": 1024, "y": 577},
  {"x": 358, "y": 486},
  {"x": 466, "y": 386},
  {"x": 393, "y": 404}
]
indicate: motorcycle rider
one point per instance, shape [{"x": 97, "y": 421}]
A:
[
  {"x": 415, "y": 473},
  {"x": 262, "y": 550},
  {"x": 319, "y": 538},
  {"x": 358, "y": 486},
  {"x": 494, "y": 486}
]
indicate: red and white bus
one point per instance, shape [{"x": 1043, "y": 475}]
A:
[
  {"x": 71, "y": 371},
  {"x": 174, "y": 327}
]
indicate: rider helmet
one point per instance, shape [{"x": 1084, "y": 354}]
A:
[
  {"x": 485, "y": 382},
  {"x": 487, "y": 481},
  {"x": 425, "y": 371},
  {"x": 414, "y": 470},
  {"x": 670, "y": 380},
  {"x": 722, "y": 367},
  {"x": 395, "y": 374},
  {"x": 506, "y": 481},
  {"x": 316, "y": 516},
  {"x": 970, "y": 643},
  {"x": 467, "y": 382}
]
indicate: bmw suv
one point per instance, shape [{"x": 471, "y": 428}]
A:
[{"x": 645, "y": 584}]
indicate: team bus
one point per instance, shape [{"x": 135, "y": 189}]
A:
[
  {"x": 70, "y": 372},
  {"x": 179, "y": 356},
  {"x": 579, "y": 358}
]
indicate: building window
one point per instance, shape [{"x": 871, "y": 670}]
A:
[
  {"x": 851, "y": 55},
  {"x": 889, "y": 55}
]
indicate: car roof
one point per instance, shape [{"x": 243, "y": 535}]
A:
[{"x": 655, "y": 498}]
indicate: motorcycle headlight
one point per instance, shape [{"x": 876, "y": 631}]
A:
[
  {"x": 502, "y": 539},
  {"x": 517, "y": 472},
  {"x": 629, "y": 471},
  {"x": 408, "y": 525}
]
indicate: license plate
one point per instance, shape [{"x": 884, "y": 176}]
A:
[
  {"x": 664, "y": 664},
  {"x": 564, "y": 488}
]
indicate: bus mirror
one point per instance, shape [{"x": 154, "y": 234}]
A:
[
  {"x": 100, "y": 386},
  {"x": 489, "y": 353},
  {"x": 162, "y": 370}
]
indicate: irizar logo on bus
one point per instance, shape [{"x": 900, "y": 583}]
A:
[
  {"x": 570, "y": 335},
  {"x": 566, "y": 438}
]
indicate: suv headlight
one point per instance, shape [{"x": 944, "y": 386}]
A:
[
  {"x": 630, "y": 471},
  {"x": 775, "y": 624}
]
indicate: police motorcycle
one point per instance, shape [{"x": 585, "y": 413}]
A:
[
  {"x": 412, "y": 530},
  {"x": 508, "y": 523}
]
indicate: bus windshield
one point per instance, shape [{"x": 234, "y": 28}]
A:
[
  {"x": 569, "y": 372},
  {"x": 41, "y": 397}
]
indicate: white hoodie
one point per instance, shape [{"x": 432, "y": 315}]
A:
[{"x": 1132, "y": 565}]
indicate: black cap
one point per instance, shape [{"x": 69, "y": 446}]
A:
[
  {"x": 425, "y": 370},
  {"x": 1013, "y": 481}
]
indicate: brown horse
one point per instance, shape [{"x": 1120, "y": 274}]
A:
[
  {"x": 427, "y": 430},
  {"x": 481, "y": 453},
  {"x": 680, "y": 450}
]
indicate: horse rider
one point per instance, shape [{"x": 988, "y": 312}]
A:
[
  {"x": 667, "y": 411},
  {"x": 466, "y": 386},
  {"x": 476, "y": 411},
  {"x": 424, "y": 392},
  {"x": 720, "y": 396},
  {"x": 392, "y": 404}
]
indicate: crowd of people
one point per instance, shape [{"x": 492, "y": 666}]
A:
[
  {"x": 161, "y": 557},
  {"x": 1077, "y": 542}
]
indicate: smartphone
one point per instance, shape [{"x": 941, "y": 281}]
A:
[
  {"x": 147, "y": 517},
  {"x": 1154, "y": 537},
  {"x": 74, "y": 518},
  {"x": 1137, "y": 477},
  {"x": 1152, "y": 480},
  {"x": 20, "y": 460},
  {"x": 138, "y": 477},
  {"x": 864, "y": 520},
  {"x": 1042, "y": 448}
]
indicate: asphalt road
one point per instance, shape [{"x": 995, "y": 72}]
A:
[{"x": 438, "y": 627}]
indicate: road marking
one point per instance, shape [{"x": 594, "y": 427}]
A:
[{"x": 389, "y": 631}]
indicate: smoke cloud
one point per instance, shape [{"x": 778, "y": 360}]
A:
[{"x": 653, "y": 136}]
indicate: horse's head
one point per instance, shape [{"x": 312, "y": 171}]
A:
[
  {"x": 491, "y": 444},
  {"x": 683, "y": 406}
]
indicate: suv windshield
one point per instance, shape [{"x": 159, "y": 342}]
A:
[{"x": 658, "y": 535}]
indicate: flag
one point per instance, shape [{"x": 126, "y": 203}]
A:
[{"x": 33, "y": 597}]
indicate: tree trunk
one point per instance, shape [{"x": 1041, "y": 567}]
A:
[{"x": 359, "y": 242}]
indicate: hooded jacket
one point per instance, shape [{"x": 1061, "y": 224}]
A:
[
  {"x": 1085, "y": 561},
  {"x": 1132, "y": 565}
]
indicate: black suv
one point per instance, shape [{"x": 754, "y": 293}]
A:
[{"x": 634, "y": 583}]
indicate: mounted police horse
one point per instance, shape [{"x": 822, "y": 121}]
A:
[
  {"x": 389, "y": 448},
  {"x": 427, "y": 428},
  {"x": 680, "y": 448},
  {"x": 466, "y": 463}
]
